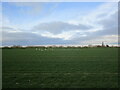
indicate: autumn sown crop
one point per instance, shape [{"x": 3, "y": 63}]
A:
[{"x": 60, "y": 68}]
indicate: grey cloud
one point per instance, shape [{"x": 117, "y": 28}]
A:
[
  {"x": 7, "y": 28},
  {"x": 58, "y": 27},
  {"x": 110, "y": 25},
  {"x": 16, "y": 36},
  {"x": 26, "y": 38}
]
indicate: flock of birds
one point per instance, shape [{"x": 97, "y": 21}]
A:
[{"x": 38, "y": 49}]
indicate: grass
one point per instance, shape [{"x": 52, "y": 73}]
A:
[{"x": 60, "y": 68}]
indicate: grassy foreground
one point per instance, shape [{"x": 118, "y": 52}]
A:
[{"x": 60, "y": 68}]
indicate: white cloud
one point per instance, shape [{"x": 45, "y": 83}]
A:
[
  {"x": 5, "y": 21},
  {"x": 108, "y": 39},
  {"x": 64, "y": 35},
  {"x": 102, "y": 12}
]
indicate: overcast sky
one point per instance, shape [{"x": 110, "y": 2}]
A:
[{"x": 60, "y": 23}]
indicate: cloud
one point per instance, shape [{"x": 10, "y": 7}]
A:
[
  {"x": 64, "y": 35},
  {"x": 108, "y": 39},
  {"x": 0, "y": 14},
  {"x": 101, "y": 21},
  {"x": 105, "y": 20},
  {"x": 35, "y": 8},
  {"x": 58, "y": 27},
  {"x": 12, "y": 29},
  {"x": 28, "y": 38},
  {"x": 99, "y": 25},
  {"x": 63, "y": 30},
  {"x": 5, "y": 21},
  {"x": 102, "y": 12},
  {"x": 109, "y": 25}
]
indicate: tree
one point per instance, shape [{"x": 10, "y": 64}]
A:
[{"x": 107, "y": 45}]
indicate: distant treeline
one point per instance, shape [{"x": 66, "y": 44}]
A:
[{"x": 53, "y": 46}]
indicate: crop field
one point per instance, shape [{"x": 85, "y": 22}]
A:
[{"x": 60, "y": 68}]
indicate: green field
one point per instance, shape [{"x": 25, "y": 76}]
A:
[{"x": 60, "y": 68}]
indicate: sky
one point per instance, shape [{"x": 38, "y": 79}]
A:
[{"x": 59, "y": 23}]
